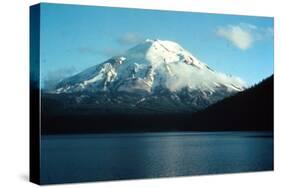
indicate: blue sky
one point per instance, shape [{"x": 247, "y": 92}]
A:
[{"x": 74, "y": 38}]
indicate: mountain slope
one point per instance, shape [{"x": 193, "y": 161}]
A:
[
  {"x": 153, "y": 72},
  {"x": 147, "y": 67}
]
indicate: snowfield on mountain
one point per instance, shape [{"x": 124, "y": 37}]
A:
[{"x": 154, "y": 71}]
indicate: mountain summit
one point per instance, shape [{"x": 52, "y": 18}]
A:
[{"x": 154, "y": 70}]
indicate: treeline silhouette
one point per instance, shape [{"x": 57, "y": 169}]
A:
[{"x": 251, "y": 109}]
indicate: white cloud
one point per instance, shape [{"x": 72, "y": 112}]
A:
[
  {"x": 243, "y": 35},
  {"x": 130, "y": 38},
  {"x": 52, "y": 78},
  {"x": 105, "y": 52}
]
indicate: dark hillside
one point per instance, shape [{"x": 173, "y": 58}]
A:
[
  {"x": 251, "y": 109},
  {"x": 248, "y": 110}
]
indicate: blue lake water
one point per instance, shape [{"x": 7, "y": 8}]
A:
[{"x": 95, "y": 157}]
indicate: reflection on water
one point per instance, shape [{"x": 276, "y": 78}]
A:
[{"x": 74, "y": 158}]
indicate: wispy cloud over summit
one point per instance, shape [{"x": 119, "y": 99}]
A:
[
  {"x": 130, "y": 38},
  {"x": 243, "y": 35}
]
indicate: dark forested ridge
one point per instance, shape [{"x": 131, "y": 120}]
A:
[{"x": 251, "y": 109}]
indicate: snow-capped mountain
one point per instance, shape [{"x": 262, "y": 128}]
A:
[{"x": 155, "y": 71}]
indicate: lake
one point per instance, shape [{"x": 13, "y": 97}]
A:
[{"x": 96, "y": 157}]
